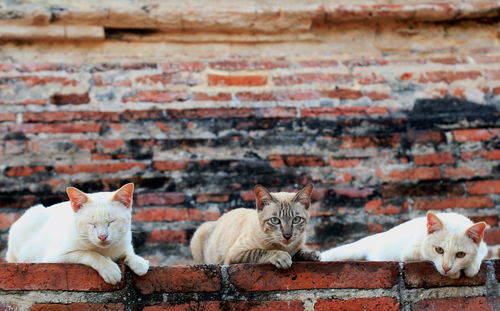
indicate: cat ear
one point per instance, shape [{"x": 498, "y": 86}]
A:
[
  {"x": 304, "y": 196},
  {"x": 476, "y": 232},
  {"x": 77, "y": 198},
  {"x": 262, "y": 197},
  {"x": 124, "y": 195},
  {"x": 433, "y": 223}
]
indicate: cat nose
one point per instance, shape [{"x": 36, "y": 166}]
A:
[
  {"x": 446, "y": 269},
  {"x": 287, "y": 235},
  {"x": 102, "y": 237}
]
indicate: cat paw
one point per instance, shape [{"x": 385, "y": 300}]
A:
[
  {"x": 282, "y": 260},
  {"x": 471, "y": 270},
  {"x": 309, "y": 255},
  {"x": 138, "y": 264},
  {"x": 454, "y": 275},
  {"x": 111, "y": 273}
]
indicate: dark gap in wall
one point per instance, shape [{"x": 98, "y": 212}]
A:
[{"x": 118, "y": 33}]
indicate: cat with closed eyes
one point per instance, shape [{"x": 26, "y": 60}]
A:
[
  {"x": 274, "y": 232},
  {"x": 91, "y": 229},
  {"x": 451, "y": 241}
]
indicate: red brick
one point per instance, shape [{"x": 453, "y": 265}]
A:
[
  {"x": 39, "y": 102},
  {"x": 453, "y": 202},
  {"x": 36, "y": 128},
  {"x": 297, "y": 161},
  {"x": 159, "y": 199},
  {"x": 211, "y": 197},
  {"x": 11, "y": 117},
  {"x": 276, "y": 160},
  {"x": 111, "y": 81},
  {"x": 250, "y": 80},
  {"x": 369, "y": 78},
  {"x": 493, "y": 74},
  {"x": 425, "y": 137},
  {"x": 78, "y": 307},
  {"x": 104, "y": 168},
  {"x": 424, "y": 173},
  {"x": 170, "y": 67},
  {"x": 7, "y": 219},
  {"x": 342, "y": 163},
  {"x": 353, "y": 192},
  {"x": 170, "y": 165},
  {"x": 15, "y": 146},
  {"x": 243, "y": 65},
  {"x": 355, "y": 142},
  {"x": 448, "y": 60},
  {"x": 20, "y": 171},
  {"x": 475, "y": 134},
  {"x": 157, "y": 97},
  {"x": 277, "y": 95},
  {"x": 168, "y": 236},
  {"x": 342, "y": 94},
  {"x": 483, "y": 187},
  {"x": 458, "y": 303},
  {"x": 302, "y": 275},
  {"x": 209, "y": 97},
  {"x": 309, "y": 78},
  {"x": 197, "y": 278},
  {"x": 492, "y": 236},
  {"x": 358, "y": 304},
  {"x": 5, "y": 67},
  {"x": 229, "y": 305},
  {"x": 434, "y": 159},
  {"x": 490, "y": 155},
  {"x": 375, "y": 96},
  {"x": 448, "y": 76},
  {"x": 423, "y": 274},
  {"x": 247, "y": 195},
  {"x": 68, "y": 116},
  {"x": 463, "y": 172},
  {"x": 374, "y": 227},
  {"x": 318, "y": 63},
  {"x": 69, "y": 99},
  {"x": 378, "y": 207},
  {"x": 324, "y": 112},
  {"x": 174, "y": 214},
  {"x": 67, "y": 277},
  {"x": 43, "y": 80},
  {"x": 491, "y": 220}
]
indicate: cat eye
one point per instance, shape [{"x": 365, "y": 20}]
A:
[
  {"x": 275, "y": 220},
  {"x": 439, "y": 250},
  {"x": 460, "y": 255},
  {"x": 296, "y": 220}
]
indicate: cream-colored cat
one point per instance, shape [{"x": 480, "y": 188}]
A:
[
  {"x": 273, "y": 233},
  {"x": 91, "y": 229},
  {"x": 451, "y": 241}
]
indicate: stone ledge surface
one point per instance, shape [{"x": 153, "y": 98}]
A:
[{"x": 254, "y": 16}]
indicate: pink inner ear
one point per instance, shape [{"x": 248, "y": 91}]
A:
[
  {"x": 262, "y": 196},
  {"x": 124, "y": 195},
  {"x": 433, "y": 223},
  {"x": 77, "y": 198},
  {"x": 476, "y": 232}
]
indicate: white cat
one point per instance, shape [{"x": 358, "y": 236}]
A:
[
  {"x": 91, "y": 229},
  {"x": 451, "y": 241}
]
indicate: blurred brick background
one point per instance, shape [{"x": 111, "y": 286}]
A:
[{"x": 389, "y": 110}]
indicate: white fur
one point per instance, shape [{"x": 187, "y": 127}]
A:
[
  {"x": 58, "y": 234},
  {"x": 410, "y": 241}
]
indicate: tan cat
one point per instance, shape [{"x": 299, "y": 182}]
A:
[{"x": 273, "y": 233}]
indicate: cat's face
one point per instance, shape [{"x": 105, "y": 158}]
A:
[
  {"x": 283, "y": 216},
  {"x": 451, "y": 249},
  {"x": 102, "y": 219}
]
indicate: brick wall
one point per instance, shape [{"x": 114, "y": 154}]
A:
[
  {"x": 306, "y": 286},
  {"x": 387, "y": 118}
]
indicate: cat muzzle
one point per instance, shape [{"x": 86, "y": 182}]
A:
[{"x": 287, "y": 236}]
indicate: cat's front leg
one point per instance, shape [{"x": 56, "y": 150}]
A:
[
  {"x": 136, "y": 263},
  {"x": 107, "y": 269},
  {"x": 281, "y": 259},
  {"x": 305, "y": 254},
  {"x": 473, "y": 269}
]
